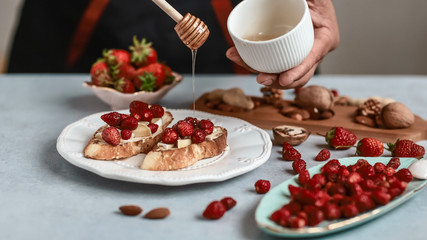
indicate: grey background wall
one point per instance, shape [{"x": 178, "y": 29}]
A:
[{"x": 377, "y": 36}]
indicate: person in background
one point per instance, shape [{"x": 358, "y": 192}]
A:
[{"x": 58, "y": 36}]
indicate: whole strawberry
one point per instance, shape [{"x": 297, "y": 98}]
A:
[
  {"x": 215, "y": 210},
  {"x": 100, "y": 74},
  {"x": 406, "y": 148},
  {"x": 369, "y": 147},
  {"x": 142, "y": 52},
  {"x": 111, "y": 135},
  {"x": 340, "y": 138},
  {"x": 116, "y": 56},
  {"x": 184, "y": 128},
  {"x": 323, "y": 155},
  {"x": 291, "y": 154}
]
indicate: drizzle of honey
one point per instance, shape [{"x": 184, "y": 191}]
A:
[{"x": 193, "y": 66}]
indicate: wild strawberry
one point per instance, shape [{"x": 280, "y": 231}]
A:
[
  {"x": 369, "y": 147},
  {"x": 364, "y": 202},
  {"x": 340, "y": 138},
  {"x": 214, "y": 210},
  {"x": 153, "y": 127},
  {"x": 368, "y": 185},
  {"x": 137, "y": 106},
  {"x": 228, "y": 202},
  {"x": 291, "y": 154},
  {"x": 100, "y": 74},
  {"x": 146, "y": 115},
  {"x": 112, "y": 118},
  {"x": 406, "y": 148},
  {"x": 126, "y": 134},
  {"x": 381, "y": 196},
  {"x": 142, "y": 52},
  {"x": 116, "y": 56},
  {"x": 337, "y": 188},
  {"x": 331, "y": 211},
  {"x": 111, "y": 135},
  {"x": 138, "y": 116},
  {"x": 299, "y": 165},
  {"x": 157, "y": 110},
  {"x": 298, "y": 222},
  {"x": 303, "y": 177},
  {"x": 354, "y": 189},
  {"x": 281, "y": 217},
  {"x": 198, "y": 136},
  {"x": 170, "y": 136},
  {"x": 404, "y": 175},
  {"x": 293, "y": 190},
  {"x": 192, "y": 120},
  {"x": 354, "y": 177},
  {"x": 286, "y": 146},
  {"x": 206, "y": 125},
  {"x": 124, "y": 85},
  {"x": 306, "y": 197},
  {"x": 315, "y": 216},
  {"x": 379, "y": 167},
  {"x": 389, "y": 171},
  {"x": 184, "y": 128},
  {"x": 366, "y": 171},
  {"x": 349, "y": 210},
  {"x": 130, "y": 123},
  {"x": 323, "y": 155},
  {"x": 293, "y": 206},
  {"x": 394, "y": 162},
  {"x": 262, "y": 186},
  {"x": 362, "y": 162}
]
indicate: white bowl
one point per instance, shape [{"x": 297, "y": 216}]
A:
[
  {"x": 118, "y": 100},
  {"x": 271, "y": 36}
]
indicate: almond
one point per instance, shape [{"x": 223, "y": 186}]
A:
[
  {"x": 158, "y": 213},
  {"x": 130, "y": 210}
]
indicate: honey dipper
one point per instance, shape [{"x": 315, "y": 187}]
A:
[{"x": 192, "y": 31}]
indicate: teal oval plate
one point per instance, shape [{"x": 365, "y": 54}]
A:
[{"x": 279, "y": 195}]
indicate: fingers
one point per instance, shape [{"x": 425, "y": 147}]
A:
[{"x": 234, "y": 56}]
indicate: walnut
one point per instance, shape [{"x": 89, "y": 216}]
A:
[
  {"x": 272, "y": 96},
  {"x": 315, "y": 96},
  {"x": 397, "y": 115}
]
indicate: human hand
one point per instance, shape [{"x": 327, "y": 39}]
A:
[{"x": 326, "y": 39}]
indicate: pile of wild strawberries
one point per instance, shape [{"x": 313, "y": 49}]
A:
[
  {"x": 131, "y": 71},
  {"x": 121, "y": 125},
  {"x": 189, "y": 128},
  {"x": 340, "y": 191}
]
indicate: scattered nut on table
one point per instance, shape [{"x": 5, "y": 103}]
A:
[{"x": 291, "y": 134}]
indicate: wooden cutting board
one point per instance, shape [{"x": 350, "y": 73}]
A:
[{"x": 267, "y": 117}]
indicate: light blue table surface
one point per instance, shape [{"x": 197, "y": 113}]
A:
[{"x": 42, "y": 196}]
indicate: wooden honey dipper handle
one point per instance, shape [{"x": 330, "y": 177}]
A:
[{"x": 167, "y": 8}]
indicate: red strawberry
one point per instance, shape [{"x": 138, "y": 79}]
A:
[
  {"x": 406, "y": 148},
  {"x": 291, "y": 154},
  {"x": 206, "y": 125},
  {"x": 137, "y": 106},
  {"x": 153, "y": 127},
  {"x": 192, "y": 120},
  {"x": 144, "y": 81},
  {"x": 116, "y": 56},
  {"x": 170, "y": 136},
  {"x": 228, "y": 202},
  {"x": 394, "y": 162},
  {"x": 340, "y": 138},
  {"x": 303, "y": 177},
  {"x": 142, "y": 52},
  {"x": 323, "y": 155},
  {"x": 111, "y": 135},
  {"x": 146, "y": 115},
  {"x": 157, "y": 110},
  {"x": 184, "y": 128},
  {"x": 369, "y": 147},
  {"x": 262, "y": 186},
  {"x": 158, "y": 71},
  {"x": 130, "y": 123},
  {"x": 299, "y": 165},
  {"x": 112, "y": 118},
  {"x": 198, "y": 136},
  {"x": 404, "y": 175},
  {"x": 100, "y": 74},
  {"x": 126, "y": 134},
  {"x": 214, "y": 210},
  {"x": 124, "y": 85},
  {"x": 286, "y": 146},
  {"x": 126, "y": 71}
]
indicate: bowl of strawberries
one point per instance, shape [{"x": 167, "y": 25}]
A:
[{"x": 121, "y": 76}]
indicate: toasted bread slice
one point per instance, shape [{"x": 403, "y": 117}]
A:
[
  {"x": 98, "y": 149},
  {"x": 163, "y": 159}
]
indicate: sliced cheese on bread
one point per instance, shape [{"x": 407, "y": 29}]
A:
[
  {"x": 165, "y": 158},
  {"x": 142, "y": 141}
]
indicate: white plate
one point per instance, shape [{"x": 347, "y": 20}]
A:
[{"x": 248, "y": 148}]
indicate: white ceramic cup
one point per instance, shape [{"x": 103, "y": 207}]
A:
[{"x": 271, "y": 36}]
